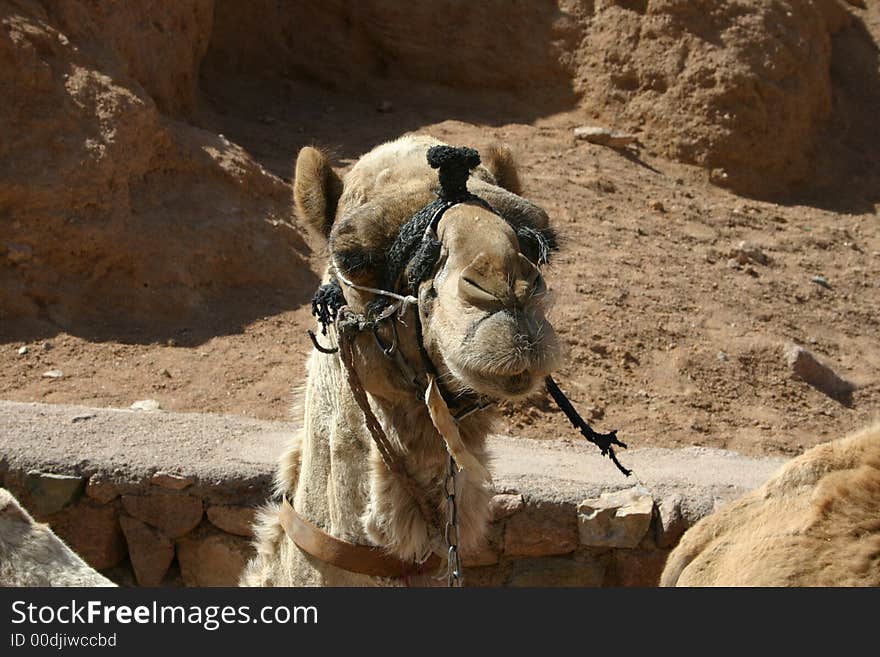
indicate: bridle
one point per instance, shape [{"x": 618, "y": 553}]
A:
[{"x": 414, "y": 257}]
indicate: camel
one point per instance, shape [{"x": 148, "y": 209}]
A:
[
  {"x": 815, "y": 523},
  {"x": 32, "y": 555},
  {"x": 466, "y": 329}
]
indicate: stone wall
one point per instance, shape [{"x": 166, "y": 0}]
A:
[
  {"x": 158, "y": 531},
  {"x": 155, "y": 498},
  {"x": 163, "y": 531},
  {"x": 617, "y": 539}
]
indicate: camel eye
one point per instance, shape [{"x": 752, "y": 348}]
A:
[
  {"x": 535, "y": 244},
  {"x": 539, "y": 287}
]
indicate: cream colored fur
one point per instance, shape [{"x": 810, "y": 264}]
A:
[
  {"x": 332, "y": 471},
  {"x": 815, "y": 523},
  {"x": 32, "y": 555}
]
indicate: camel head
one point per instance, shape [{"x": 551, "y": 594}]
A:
[
  {"x": 474, "y": 266},
  {"x": 483, "y": 310}
]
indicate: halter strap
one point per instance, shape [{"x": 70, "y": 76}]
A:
[{"x": 353, "y": 557}]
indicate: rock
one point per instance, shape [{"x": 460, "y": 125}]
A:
[
  {"x": 487, "y": 553},
  {"x": 627, "y": 359},
  {"x": 602, "y": 185},
  {"x": 581, "y": 570},
  {"x": 604, "y": 136},
  {"x": 594, "y": 412},
  {"x": 101, "y": 489},
  {"x": 22, "y": 351},
  {"x": 53, "y": 374},
  {"x": 698, "y": 425},
  {"x": 747, "y": 253},
  {"x": 92, "y": 531},
  {"x": 504, "y": 505},
  {"x": 657, "y": 206},
  {"x": 145, "y": 405},
  {"x": 541, "y": 529},
  {"x": 18, "y": 253},
  {"x": 807, "y": 368},
  {"x": 150, "y": 552},
  {"x": 599, "y": 349},
  {"x": 719, "y": 176},
  {"x": 175, "y": 515},
  {"x": 170, "y": 480},
  {"x": 670, "y": 522},
  {"x": 822, "y": 281},
  {"x": 482, "y": 577},
  {"x": 237, "y": 520},
  {"x": 159, "y": 44},
  {"x": 619, "y": 520},
  {"x": 82, "y": 417},
  {"x": 48, "y": 493},
  {"x": 637, "y": 568},
  {"x": 210, "y": 558}
]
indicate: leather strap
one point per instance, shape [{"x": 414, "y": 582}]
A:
[{"x": 363, "y": 559}]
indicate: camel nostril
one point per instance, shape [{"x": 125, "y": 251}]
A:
[
  {"x": 472, "y": 282},
  {"x": 474, "y": 293}
]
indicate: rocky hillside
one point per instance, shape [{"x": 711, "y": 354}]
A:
[{"x": 114, "y": 209}]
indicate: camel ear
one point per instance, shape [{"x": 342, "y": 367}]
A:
[
  {"x": 498, "y": 159},
  {"x": 316, "y": 190}
]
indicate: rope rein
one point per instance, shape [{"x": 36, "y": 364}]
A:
[
  {"x": 404, "y": 301},
  {"x": 603, "y": 441},
  {"x": 393, "y": 461}
]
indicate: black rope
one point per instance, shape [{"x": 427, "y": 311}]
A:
[
  {"x": 319, "y": 346},
  {"x": 603, "y": 440},
  {"x": 326, "y": 303}
]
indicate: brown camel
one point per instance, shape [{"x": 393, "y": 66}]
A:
[
  {"x": 815, "y": 523},
  {"x": 32, "y": 555},
  {"x": 470, "y": 330}
]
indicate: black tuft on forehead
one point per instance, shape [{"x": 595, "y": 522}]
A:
[{"x": 454, "y": 164}]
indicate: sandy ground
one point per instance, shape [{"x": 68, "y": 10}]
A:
[{"x": 667, "y": 342}]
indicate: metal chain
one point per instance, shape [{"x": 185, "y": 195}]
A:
[{"x": 453, "y": 564}]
